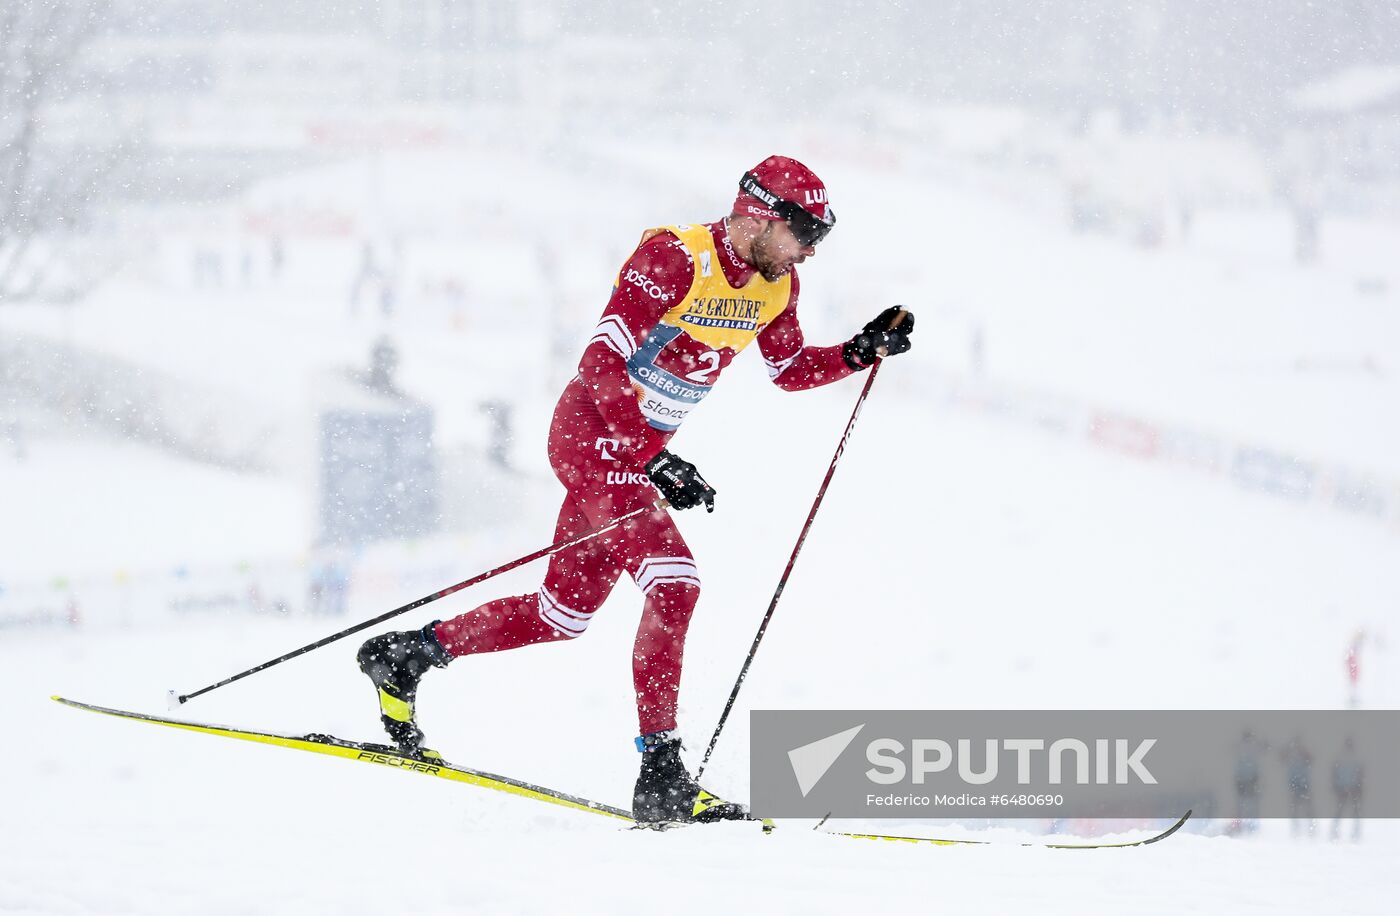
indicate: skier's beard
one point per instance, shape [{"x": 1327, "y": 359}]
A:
[{"x": 763, "y": 258}]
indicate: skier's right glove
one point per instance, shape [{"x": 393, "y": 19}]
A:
[{"x": 679, "y": 482}]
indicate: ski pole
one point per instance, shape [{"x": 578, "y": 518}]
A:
[
  {"x": 792, "y": 560},
  {"x": 427, "y": 599}
]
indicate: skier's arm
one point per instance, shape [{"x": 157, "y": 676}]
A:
[
  {"x": 792, "y": 365},
  {"x": 656, "y": 277}
]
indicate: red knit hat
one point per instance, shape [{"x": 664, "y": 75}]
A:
[{"x": 790, "y": 180}]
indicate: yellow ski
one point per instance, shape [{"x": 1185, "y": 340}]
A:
[
  {"x": 380, "y": 754},
  {"x": 384, "y": 755},
  {"x": 934, "y": 841}
]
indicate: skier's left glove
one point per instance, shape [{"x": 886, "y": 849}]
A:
[
  {"x": 679, "y": 482},
  {"x": 881, "y": 337}
]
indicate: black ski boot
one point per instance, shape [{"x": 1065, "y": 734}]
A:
[
  {"x": 666, "y": 793},
  {"x": 395, "y": 662}
]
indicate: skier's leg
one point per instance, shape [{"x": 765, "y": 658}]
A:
[
  {"x": 576, "y": 584},
  {"x": 659, "y": 561},
  {"x": 667, "y": 575},
  {"x": 396, "y": 662},
  {"x": 578, "y": 579},
  {"x": 651, "y": 549}
]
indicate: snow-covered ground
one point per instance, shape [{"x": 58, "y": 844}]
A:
[{"x": 959, "y": 561}]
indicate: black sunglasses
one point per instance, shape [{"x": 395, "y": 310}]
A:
[{"x": 806, "y": 228}]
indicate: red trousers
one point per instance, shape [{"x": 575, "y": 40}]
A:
[{"x": 601, "y": 487}]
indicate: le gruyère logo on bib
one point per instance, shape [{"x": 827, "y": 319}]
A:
[{"x": 724, "y": 312}]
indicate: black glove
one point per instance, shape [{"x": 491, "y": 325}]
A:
[
  {"x": 679, "y": 482},
  {"x": 863, "y": 349}
]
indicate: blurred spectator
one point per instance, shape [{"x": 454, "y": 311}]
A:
[
  {"x": 1084, "y": 212},
  {"x": 1186, "y": 216},
  {"x": 1297, "y": 770},
  {"x": 330, "y": 583},
  {"x": 1304, "y": 233},
  {"x": 383, "y": 364},
  {"x": 1348, "y": 782},
  {"x": 276, "y": 255},
  {"x": 1301, "y": 197},
  {"x": 498, "y": 451},
  {"x": 388, "y": 295},
  {"x": 368, "y": 273},
  {"x": 208, "y": 265},
  {"x": 1354, "y": 668},
  {"x": 456, "y": 296},
  {"x": 1249, "y": 756}
]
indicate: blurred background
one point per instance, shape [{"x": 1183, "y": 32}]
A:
[{"x": 287, "y": 292}]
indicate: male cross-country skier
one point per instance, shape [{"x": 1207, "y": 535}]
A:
[{"x": 688, "y": 299}]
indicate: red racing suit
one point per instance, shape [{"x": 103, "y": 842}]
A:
[{"x": 652, "y": 357}]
